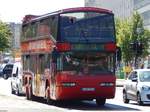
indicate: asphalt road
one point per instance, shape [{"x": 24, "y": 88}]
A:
[{"x": 13, "y": 103}]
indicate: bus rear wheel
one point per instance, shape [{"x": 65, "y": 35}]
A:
[
  {"x": 100, "y": 101},
  {"x": 47, "y": 95},
  {"x": 29, "y": 95}
]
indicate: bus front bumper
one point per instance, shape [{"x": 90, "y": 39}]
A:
[{"x": 84, "y": 93}]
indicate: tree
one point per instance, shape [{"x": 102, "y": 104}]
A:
[
  {"x": 5, "y": 34},
  {"x": 129, "y": 31},
  {"x": 139, "y": 33},
  {"x": 139, "y": 36},
  {"x": 123, "y": 33}
]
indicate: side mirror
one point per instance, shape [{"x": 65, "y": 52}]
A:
[
  {"x": 118, "y": 54},
  {"x": 15, "y": 74},
  {"x": 134, "y": 79}
]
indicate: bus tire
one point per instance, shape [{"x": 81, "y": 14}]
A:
[
  {"x": 100, "y": 101},
  {"x": 29, "y": 94},
  {"x": 47, "y": 96}
]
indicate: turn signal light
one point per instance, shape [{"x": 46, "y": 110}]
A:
[
  {"x": 110, "y": 47},
  {"x": 63, "y": 47}
]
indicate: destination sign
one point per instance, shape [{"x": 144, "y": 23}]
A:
[{"x": 94, "y": 47}]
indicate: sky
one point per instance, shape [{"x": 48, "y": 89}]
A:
[{"x": 15, "y": 10}]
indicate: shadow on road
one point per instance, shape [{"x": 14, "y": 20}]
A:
[
  {"x": 87, "y": 105},
  {"x": 135, "y": 103},
  {"x": 90, "y": 105}
]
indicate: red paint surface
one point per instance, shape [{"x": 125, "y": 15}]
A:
[{"x": 84, "y": 81}]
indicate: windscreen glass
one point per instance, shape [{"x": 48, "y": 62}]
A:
[
  {"x": 87, "y": 26},
  {"x": 91, "y": 63},
  {"x": 144, "y": 76}
]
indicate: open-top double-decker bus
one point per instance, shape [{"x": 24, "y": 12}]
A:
[{"x": 70, "y": 55}]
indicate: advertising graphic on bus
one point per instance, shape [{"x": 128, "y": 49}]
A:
[{"x": 69, "y": 55}]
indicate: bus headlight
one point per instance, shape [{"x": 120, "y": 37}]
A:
[
  {"x": 106, "y": 84},
  {"x": 68, "y": 84}
]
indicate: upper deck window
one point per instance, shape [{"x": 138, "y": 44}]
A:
[
  {"x": 46, "y": 27},
  {"x": 86, "y": 26},
  {"x": 29, "y": 31}
]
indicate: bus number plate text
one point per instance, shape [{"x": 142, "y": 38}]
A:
[{"x": 88, "y": 89}]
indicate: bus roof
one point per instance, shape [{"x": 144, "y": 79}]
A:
[{"x": 31, "y": 18}]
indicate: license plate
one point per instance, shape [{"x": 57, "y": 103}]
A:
[{"x": 88, "y": 89}]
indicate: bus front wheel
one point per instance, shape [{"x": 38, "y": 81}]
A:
[{"x": 100, "y": 101}]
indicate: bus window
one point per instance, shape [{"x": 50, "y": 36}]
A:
[
  {"x": 26, "y": 62},
  {"x": 55, "y": 54},
  {"x": 34, "y": 30},
  {"x": 33, "y": 63},
  {"x": 23, "y": 34},
  {"x": 95, "y": 63},
  {"x": 48, "y": 27},
  {"x": 54, "y": 26},
  {"x": 84, "y": 26},
  {"x": 47, "y": 60},
  {"x": 110, "y": 60},
  {"x": 59, "y": 63},
  {"x": 41, "y": 63},
  {"x": 44, "y": 27},
  {"x": 30, "y": 30}
]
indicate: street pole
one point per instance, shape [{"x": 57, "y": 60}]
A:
[
  {"x": 136, "y": 54},
  {"x": 135, "y": 61}
]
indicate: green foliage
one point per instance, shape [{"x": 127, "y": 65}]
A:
[
  {"x": 139, "y": 33},
  {"x": 123, "y": 32},
  {"x": 4, "y": 36},
  {"x": 128, "y": 31}
]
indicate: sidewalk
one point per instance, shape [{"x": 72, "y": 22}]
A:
[
  {"x": 120, "y": 82},
  {"x": 5, "y": 87}
]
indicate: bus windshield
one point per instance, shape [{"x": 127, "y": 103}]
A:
[
  {"x": 92, "y": 63},
  {"x": 87, "y": 26}
]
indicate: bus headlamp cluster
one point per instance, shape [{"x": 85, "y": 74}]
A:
[
  {"x": 106, "y": 84},
  {"x": 68, "y": 84}
]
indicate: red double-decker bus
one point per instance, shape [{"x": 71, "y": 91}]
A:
[{"x": 70, "y": 55}]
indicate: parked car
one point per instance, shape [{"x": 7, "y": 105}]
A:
[
  {"x": 1, "y": 69},
  {"x": 7, "y": 71},
  {"x": 137, "y": 87},
  {"x": 17, "y": 79}
]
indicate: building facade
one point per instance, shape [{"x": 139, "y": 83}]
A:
[
  {"x": 124, "y": 8},
  {"x": 121, "y": 8},
  {"x": 15, "y": 40},
  {"x": 16, "y": 34},
  {"x": 143, "y": 7}
]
